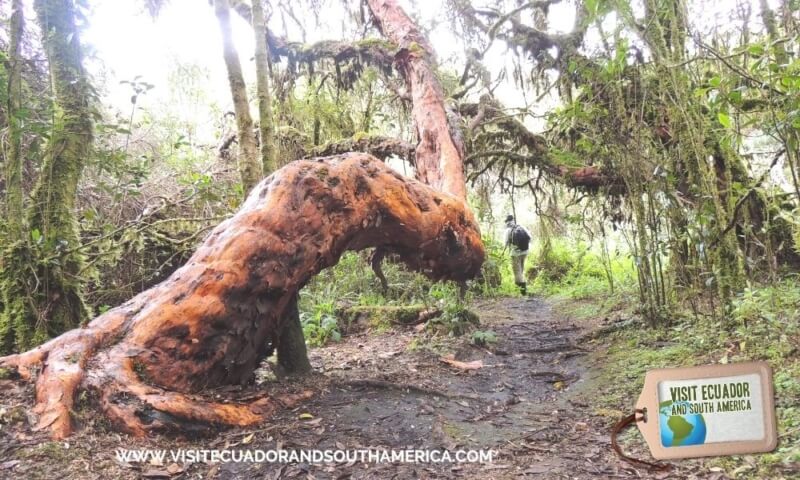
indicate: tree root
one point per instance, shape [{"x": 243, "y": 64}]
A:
[{"x": 406, "y": 387}]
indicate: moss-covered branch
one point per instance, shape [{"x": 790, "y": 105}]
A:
[
  {"x": 372, "y": 51},
  {"x": 378, "y": 146},
  {"x": 526, "y": 148}
]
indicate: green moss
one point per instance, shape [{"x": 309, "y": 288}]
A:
[
  {"x": 55, "y": 451},
  {"x": 376, "y": 43},
  {"x": 380, "y": 317},
  {"x": 456, "y": 320},
  {"x": 50, "y": 256},
  {"x": 416, "y": 48}
]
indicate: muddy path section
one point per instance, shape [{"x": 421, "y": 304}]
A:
[
  {"x": 530, "y": 401},
  {"x": 393, "y": 391}
]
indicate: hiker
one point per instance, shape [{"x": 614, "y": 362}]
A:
[{"x": 517, "y": 239}]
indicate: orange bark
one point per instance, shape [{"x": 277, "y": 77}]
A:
[
  {"x": 214, "y": 320},
  {"x": 439, "y": 157}
]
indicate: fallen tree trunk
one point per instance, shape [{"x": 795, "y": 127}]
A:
[{"x": 215, "y": 319}]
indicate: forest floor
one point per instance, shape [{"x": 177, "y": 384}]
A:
[{"x": 529, "y": 396}]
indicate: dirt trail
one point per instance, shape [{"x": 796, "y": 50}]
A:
[{"x": 384, "y": 391}]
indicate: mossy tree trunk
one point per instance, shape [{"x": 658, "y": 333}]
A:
[
  {"x": 247, "y": 158},
  {"x": 696, "y": 137},
  {"x": 43, "y": 286},
  {"x": 269, "y": 153},
  {"x": 291, "y": 343},
  {"x": 14, "y": 202}
]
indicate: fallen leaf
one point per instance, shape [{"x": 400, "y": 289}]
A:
[
  {"x": 174, "y": 469},
  {"x": 305, "y": 416},
  {"x": 248, "y": 438},
  {"x": 473, "y": 365},
  {"x": 156, "y": 474}
]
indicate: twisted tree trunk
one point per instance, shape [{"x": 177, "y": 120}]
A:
[
  {"x": 213, "y": 320},
  {"x": 216, "y": 318}
]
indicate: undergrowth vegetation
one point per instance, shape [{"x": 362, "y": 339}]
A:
[
  {"x": 577, "y": 271},
  {"x": 351, "y": 283}
]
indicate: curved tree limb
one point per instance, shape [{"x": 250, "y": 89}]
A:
[
  {"x": 531, "y": 150},
  {"x": 213, "y": 320},
  {"x": 377, "y": 52},
  {"x": 378, "y": 146}
]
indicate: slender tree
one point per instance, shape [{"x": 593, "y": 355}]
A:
[
  {"x": 269, "y": 153},
  {"x": 249, "y": 167},
  {"x": 13, "y": 154},
  {"x": 14, "y": 201}
]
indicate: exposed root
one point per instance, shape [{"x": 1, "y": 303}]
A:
[
  {"x": 406, "y": 387},
  {"x": 139, "y": 409}
]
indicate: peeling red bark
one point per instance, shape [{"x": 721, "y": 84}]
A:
[
  {"x": 439, "y": 159},
  {"x": 214, "y": 320}
]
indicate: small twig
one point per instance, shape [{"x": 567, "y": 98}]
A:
[
  {"x": 547, "y": 374},
  {"x": 373, "y": 383}
]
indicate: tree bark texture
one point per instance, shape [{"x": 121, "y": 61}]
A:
[
  {"x": 269, "y": 153},
  {"x": 15, "y": 230},
  {"x": 439, "y": 155}
]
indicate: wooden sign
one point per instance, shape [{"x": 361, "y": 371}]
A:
[{"x": 708, "y": 411}]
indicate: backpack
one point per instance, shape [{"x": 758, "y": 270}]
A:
[{"x": 520, "y": 238}]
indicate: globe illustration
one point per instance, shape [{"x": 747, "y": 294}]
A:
[{"x": 680, "y": 430}]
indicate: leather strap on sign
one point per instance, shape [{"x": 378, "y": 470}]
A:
[{"x": 620, "y": 426}]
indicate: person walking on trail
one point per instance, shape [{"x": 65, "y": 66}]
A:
[{"x": 518, "y": 238}]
